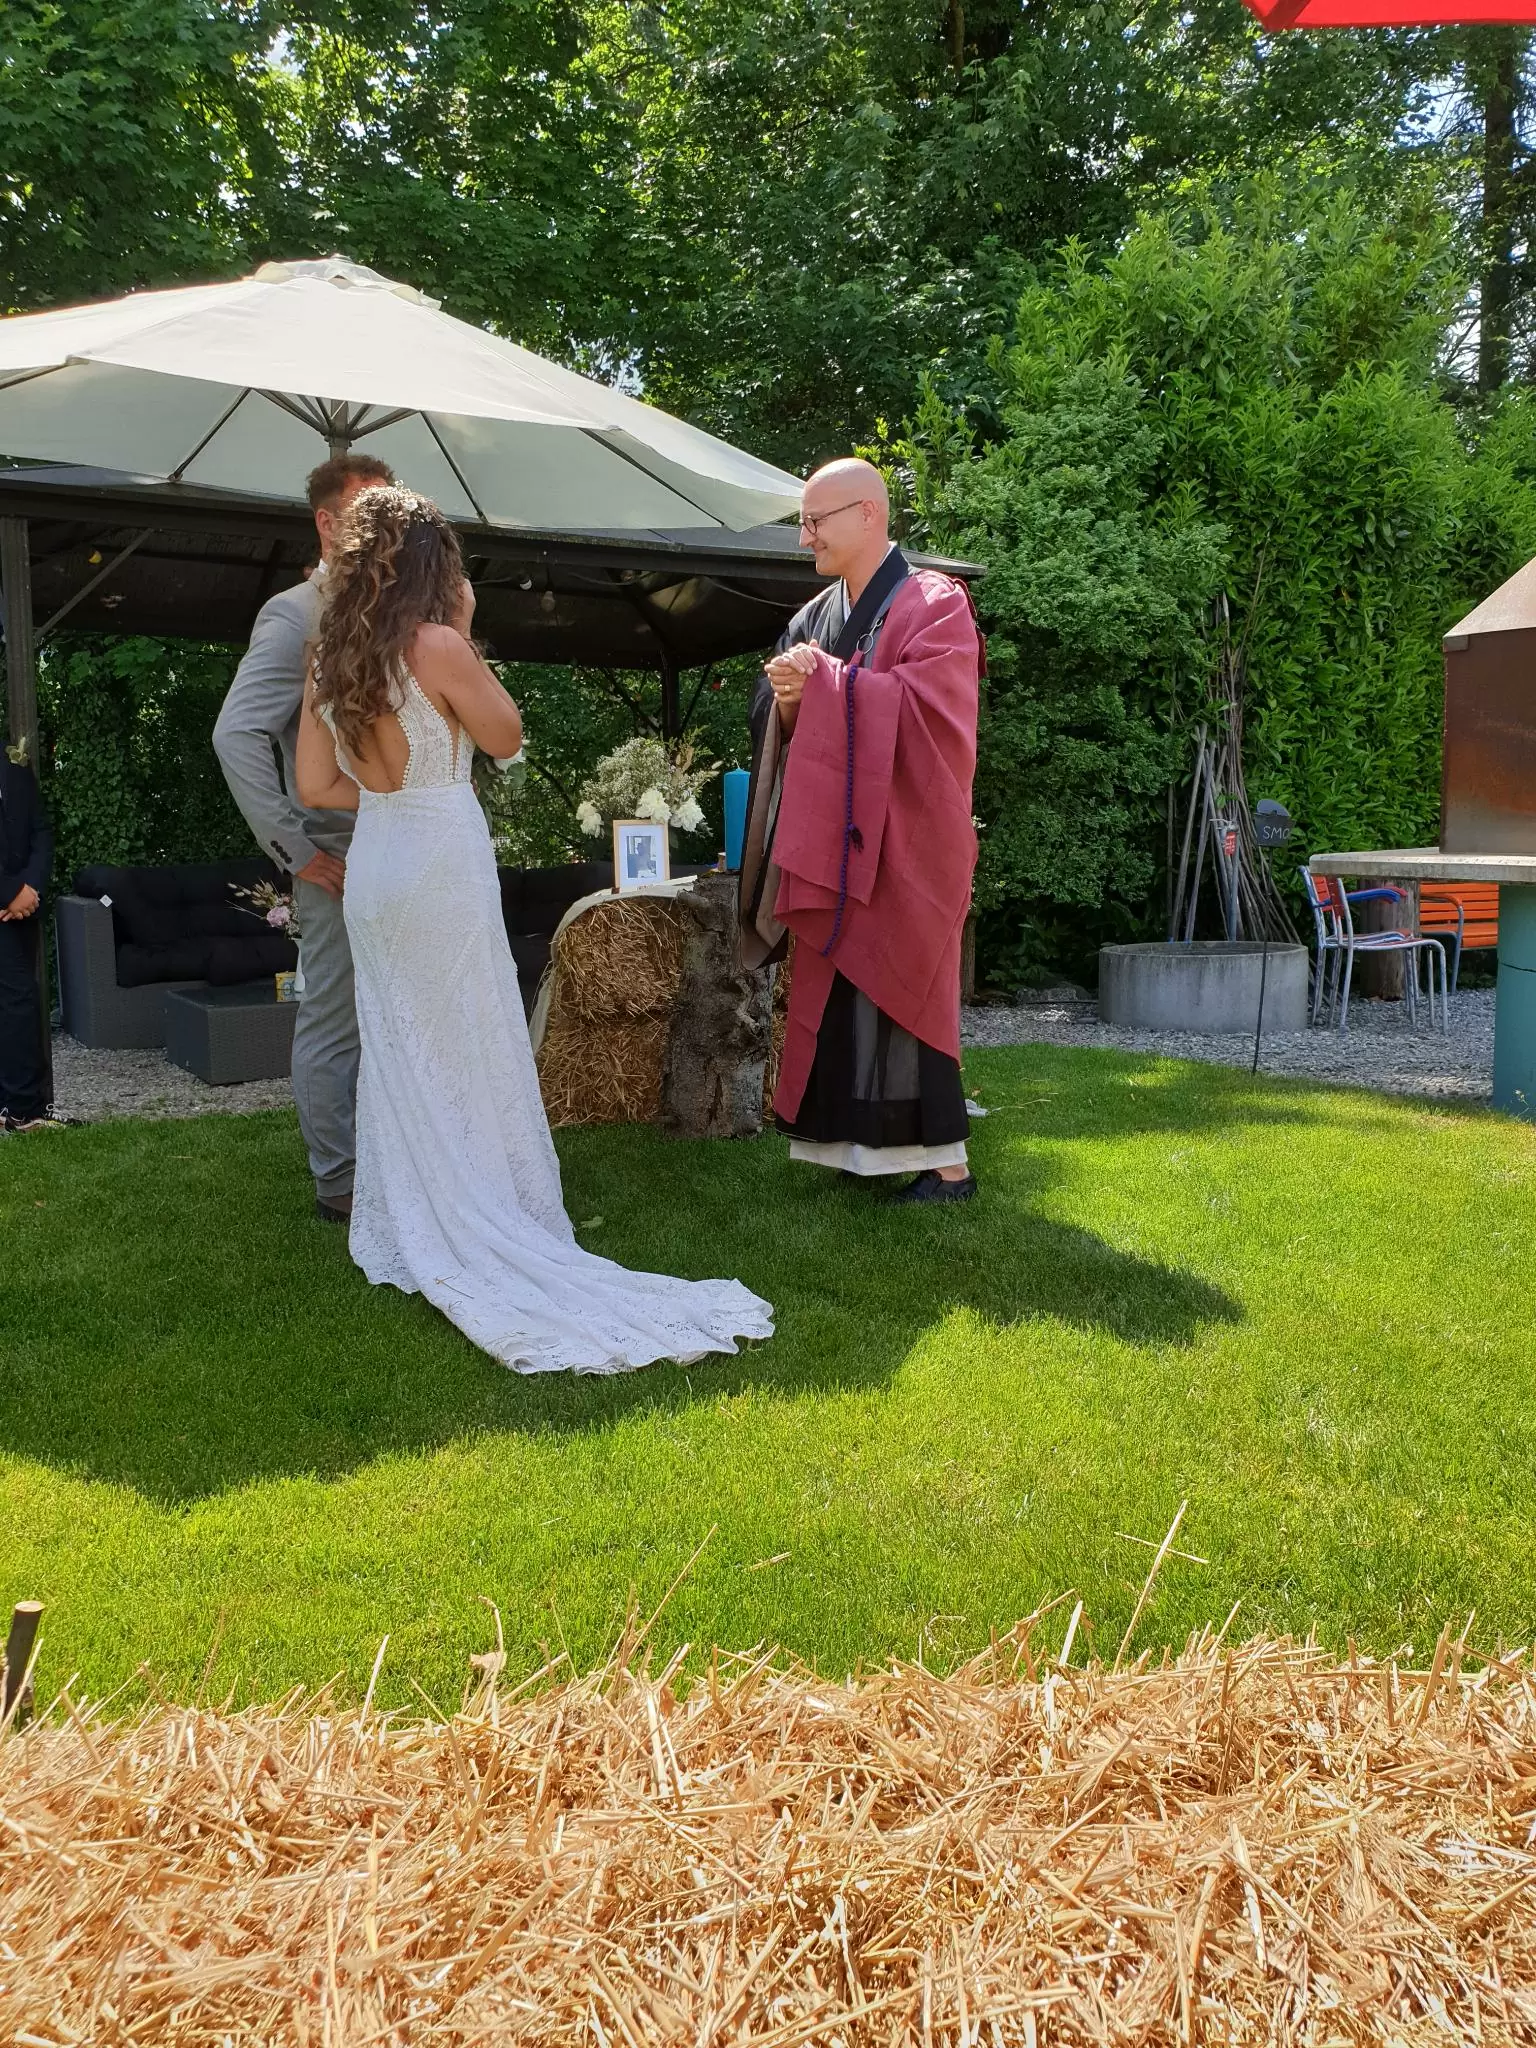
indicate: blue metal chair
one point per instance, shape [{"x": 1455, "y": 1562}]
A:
[{"x": 1338, "y": 943}]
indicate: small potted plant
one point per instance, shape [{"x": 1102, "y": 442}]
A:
[{"x": 275, "y": 907}]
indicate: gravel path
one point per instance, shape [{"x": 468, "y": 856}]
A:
[
  {"x": 91, "y": 1084},
  {"x": 1378, "y": 1051}
]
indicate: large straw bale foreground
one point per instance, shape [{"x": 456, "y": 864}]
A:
[{"x": 1256, "y": 1844}]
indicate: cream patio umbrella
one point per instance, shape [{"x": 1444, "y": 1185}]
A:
[{"x": 247, "y": 386}]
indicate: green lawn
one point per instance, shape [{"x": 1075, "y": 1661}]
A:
[{"x": 1307, "y": 1312}]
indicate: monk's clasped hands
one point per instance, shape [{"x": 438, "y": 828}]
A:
[{"x": 786, "y": 675}]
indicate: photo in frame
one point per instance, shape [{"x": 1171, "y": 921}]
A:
[{"x": 639, "y": 854}]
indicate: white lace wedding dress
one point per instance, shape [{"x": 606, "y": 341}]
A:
[{"x": 458, "y": 1189}]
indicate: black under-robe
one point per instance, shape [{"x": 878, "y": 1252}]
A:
[{"x": 871, "y": 1083}]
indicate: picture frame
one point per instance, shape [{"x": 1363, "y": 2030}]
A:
[{"x": 640, "y": 855}]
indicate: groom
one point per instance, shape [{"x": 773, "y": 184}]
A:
[{"x": 259, "y": 721}]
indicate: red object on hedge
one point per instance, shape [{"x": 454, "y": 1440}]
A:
[{"x": 1278, "y": 14}]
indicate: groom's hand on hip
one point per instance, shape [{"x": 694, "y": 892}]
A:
[{"x": 327, "y": 871}]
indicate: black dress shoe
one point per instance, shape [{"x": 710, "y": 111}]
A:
[
  {"x": 932, "y": 1187},
  {"x": 328, "y": 1212}
]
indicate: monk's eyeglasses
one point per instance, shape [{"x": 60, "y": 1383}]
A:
[{"x": 812, "y": 523}]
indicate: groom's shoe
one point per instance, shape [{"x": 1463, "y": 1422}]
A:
[{"x": 337, "y": 1210}]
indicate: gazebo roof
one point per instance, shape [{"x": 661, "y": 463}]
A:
[{"x": 124, "y": 554}]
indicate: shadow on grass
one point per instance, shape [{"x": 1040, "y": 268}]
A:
[{"x": 179, "y": 1324}]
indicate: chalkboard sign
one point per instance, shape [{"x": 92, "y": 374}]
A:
[{"x": 1272, "y": 823}]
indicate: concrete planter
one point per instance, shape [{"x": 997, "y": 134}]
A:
[{"x": 1210, "y": 986}]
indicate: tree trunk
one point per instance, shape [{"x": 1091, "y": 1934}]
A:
[
  {"x": 1499, "y": 80},
  {"x": 712, "y": 1080}
]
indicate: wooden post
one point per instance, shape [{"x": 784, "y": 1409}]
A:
[
  {"x": 720, "y": 1035},
  {"x": 22, "y": 726},
  {"x": 20, "y": 647},
  {"x": 25, "y": 1617},
  {"x": 671, "y": 698},
  {"x": 1381, "y": 974}
]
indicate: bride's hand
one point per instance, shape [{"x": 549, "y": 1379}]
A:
[{"x": 464, "y": 618}]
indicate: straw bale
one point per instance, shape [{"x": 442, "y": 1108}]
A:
[
  {"x": 1246, "y": 1844},
  {"x": 616, "y": 972},
  {"x": 623, "y": 958},
  {"x": 595, "y": 1072}
]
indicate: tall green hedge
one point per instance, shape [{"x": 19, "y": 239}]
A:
[
  {"x": 131, "y": 775},
  {"x": 128, "y": 762},
  {"x": 1248, "y": 408}
]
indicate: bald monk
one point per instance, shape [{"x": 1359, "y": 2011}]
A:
[{"x": 860, "y": 843}]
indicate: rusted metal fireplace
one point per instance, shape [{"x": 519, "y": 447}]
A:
[{"x": 1488, "y": 782}]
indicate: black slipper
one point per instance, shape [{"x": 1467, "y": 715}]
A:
[{"x": 932, "y": 1187}]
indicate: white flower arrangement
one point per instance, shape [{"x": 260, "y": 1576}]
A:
[{"x": 642, "y": 779}]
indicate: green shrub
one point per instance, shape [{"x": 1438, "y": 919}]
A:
[
  {"x": 1249, "y": 410},
  {"x": 128, "y": 760}
]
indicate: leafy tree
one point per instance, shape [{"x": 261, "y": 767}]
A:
[
  {"x": 123, "y": 129},
  {"x": 474, "y": 151},
  {"x": 833, "y": 198}
]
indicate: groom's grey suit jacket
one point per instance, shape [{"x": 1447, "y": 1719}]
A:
[{"x": 262, "y": 711}]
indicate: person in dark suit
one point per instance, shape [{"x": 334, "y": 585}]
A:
[{"x": 26, "y": 856}]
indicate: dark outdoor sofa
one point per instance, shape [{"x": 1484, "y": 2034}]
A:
[
  {"x": 174, "y": 927},
  {"x": 127, "y": 936}
]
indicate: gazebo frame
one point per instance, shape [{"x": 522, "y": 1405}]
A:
[
  {"x": 204, "y": 562},
  {"x": 104, "y": 552}
]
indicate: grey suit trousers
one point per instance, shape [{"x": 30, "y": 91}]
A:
[
  {"x": 325, "y": 1048},
  {"x": 261, "y": 713}
]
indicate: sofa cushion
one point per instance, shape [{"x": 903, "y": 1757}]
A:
[
  {"x": 157, "y": 906},
  {"x": 530, "y": 950},
  {"x": 140, "y": 966},
  {"x": 236, "y": 960}
]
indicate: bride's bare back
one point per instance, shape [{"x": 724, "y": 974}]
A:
[{"x": 461, "y": 689}]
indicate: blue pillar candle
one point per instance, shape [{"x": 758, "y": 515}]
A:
[{"x": 734, "y": 783}]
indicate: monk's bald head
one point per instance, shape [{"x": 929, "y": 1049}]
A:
[
  {"x": 845, "y": 517},
  {"x": 849, "y": 477}
]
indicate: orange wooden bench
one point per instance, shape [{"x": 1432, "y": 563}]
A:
[{"x": 1468, "y": 912}]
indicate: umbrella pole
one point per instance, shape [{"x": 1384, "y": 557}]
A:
[
  {"x": 21, "y": 711},
  {"x": 671, "y": 699}
]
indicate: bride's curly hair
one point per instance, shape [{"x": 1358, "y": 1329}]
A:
[{"x": 396, "y": 566}]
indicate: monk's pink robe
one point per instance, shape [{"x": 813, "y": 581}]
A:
[{"x": 911, "y": 853}]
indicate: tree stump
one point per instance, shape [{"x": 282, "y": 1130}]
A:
[{"x": 712, "y": 1078}]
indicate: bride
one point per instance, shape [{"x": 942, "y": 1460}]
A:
[{"x": 458, "y": 1189}]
